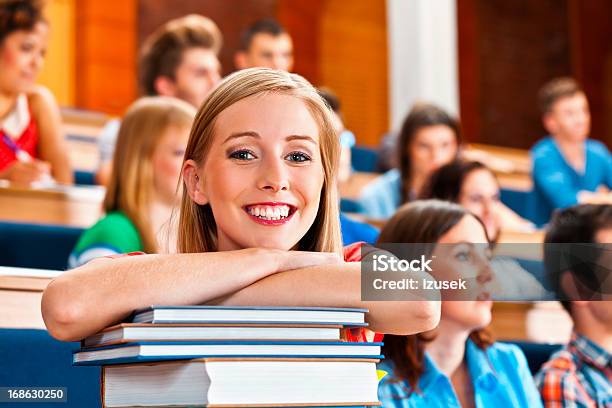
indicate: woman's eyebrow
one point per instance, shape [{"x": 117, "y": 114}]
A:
[
  {"x": 242, "y": 134},
  {"x": 301, "y": 137}
]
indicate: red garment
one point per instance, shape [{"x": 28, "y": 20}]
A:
[
  {"x": 352, "y": 253},
  {"x": 27, "y": 141}
]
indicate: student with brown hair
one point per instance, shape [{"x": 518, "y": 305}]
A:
[
  {"x": 265, "y": 44},
  {"x": 474, "y": 186},
  {"x": 258, "y": 222},
  {"x": 32, "y": 146},
  {"x": 429, "y": 138},
  {"x": 142, "y": 189},
  {"x": 179, "y": 59},
  {"x": 568, "y": 168},
  {"x": 580, "y": 375},
  {"x": 456, "y": 364}
]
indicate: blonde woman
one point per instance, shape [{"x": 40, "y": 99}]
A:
[
  {"x": 258, "y": 223},
  {"x": 142, "y": 189}
]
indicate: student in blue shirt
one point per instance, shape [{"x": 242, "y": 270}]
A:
[
  {"x": 457, "y": 364},
  {"x": 429, "y": 138},
  {"x": 568, "y": 168}
]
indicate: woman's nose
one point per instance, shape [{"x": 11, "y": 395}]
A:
[{"x": 273, "y": 176}]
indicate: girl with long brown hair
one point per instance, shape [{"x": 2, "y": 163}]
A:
[
  {"x": 258, "y": 222},
  {"x": 456, "y": 364},
  {"x": 429, "y": 138}
]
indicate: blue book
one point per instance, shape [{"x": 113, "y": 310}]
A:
[
  {"x": 248, "y": 314},
  {"x": 159, "y": 351}
]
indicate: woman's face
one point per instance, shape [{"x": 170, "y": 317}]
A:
[
  {"x": 22, "y": 54},
  {"x": 431, "y": 148},
  {"x": 465, "y": 254},
  {"x": 264, "y": 175},
  {"x": 167, "y": 161},
  {"x": 480, "y": 195}
]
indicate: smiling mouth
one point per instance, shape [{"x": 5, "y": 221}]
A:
[{"x": 270, "y": 213}]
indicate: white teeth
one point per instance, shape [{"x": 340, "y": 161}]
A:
[{"x": 269, "y": 212}]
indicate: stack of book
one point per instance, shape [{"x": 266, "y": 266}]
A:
[{"x": 234, "y": 356}]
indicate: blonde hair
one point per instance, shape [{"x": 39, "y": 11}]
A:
[
  {"x": 130, "y": 188},
  {"x": 197, "y": 226}
]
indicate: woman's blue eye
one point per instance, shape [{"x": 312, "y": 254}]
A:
[
  {"x": 242, "y": 155},
  {"x": 462, "y": 256},
  {"x": 298, "y": 157}
]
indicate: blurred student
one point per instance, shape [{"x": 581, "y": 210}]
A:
[
  {"x": 568, "y": 168},
  {"x": 457, "y": 364},
  {"x": 179, "y": 59},
  {"x": 429, "y": 138},
  {"x": 258, "y": 222},
  {"x": 142, "y": 190},
  {"x": 352, "y": 230},
  {"x": 32, "y": 147},
  {"x": 474, "y": 186},
  {"x": 265, "y": 44},
  {"x": 580, "y": 375}
]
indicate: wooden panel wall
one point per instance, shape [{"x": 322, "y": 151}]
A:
[
  {"x": 58, "y": 73},
  {"x": 354, "y": 63},
  {"x": 518, "y": 46},
  {"x": 508, "y": 50},
  {"x": 106, "y": 54},
  {"x": 591, "y": 43}
]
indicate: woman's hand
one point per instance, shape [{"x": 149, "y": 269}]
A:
[{"x": 21, "y": 172}]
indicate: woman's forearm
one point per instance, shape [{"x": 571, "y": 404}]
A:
[
  {"x": 85, "y": 300},
  {"x": 340, "y": 286}
]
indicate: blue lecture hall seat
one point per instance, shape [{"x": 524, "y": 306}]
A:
[
  {"x": 364, "y": 159},
  {"x": 537, "y": 353},
  {"x": 32, "y": 358},
  {"x": 84, "y": 178},
  {"x": 36, "y": 246},
  {"x": 525, "y": 204}
]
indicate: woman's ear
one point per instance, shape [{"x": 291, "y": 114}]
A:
[{"x": 194, "y": 182}]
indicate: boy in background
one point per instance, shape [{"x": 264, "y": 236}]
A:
[
  {"x": 179, "y": 59},
  {"x": 265, "y": 44},
  {"x": 568, "y": 168}
]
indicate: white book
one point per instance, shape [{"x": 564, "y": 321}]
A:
[
  {"x": 262, "y": 314},
  {"x": 131, "y": 332},
  {"x": 233, "y": 382}
]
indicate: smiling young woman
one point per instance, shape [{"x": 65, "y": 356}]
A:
[{"x": 258, "y": 222}]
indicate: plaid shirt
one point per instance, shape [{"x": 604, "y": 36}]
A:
[{"x": 580, "y": 375}]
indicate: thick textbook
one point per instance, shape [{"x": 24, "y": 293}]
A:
[
  {"x": 263, "y": 314},
  {"x": 242, "y": 382},
  {"x": 158, "y": 351},
  {"x": 133, "y": 332}
]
